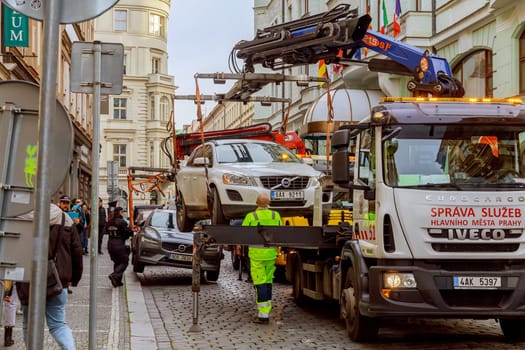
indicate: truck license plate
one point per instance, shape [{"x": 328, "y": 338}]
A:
[
  {"x": 287, "y": 195},
  {"x": 180, "y": 257},
  {"x": 476, "y": 282}
]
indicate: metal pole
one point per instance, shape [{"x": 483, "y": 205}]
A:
[
  {"x": 37, "y": 295},
  {"x": 95, "y": 159}
]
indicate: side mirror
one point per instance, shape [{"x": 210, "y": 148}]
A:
[{"x": 201, "y": 161}]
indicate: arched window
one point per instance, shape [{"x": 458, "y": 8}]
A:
[
  {"x": 522, "y": 62},
  {"x": 164, "y": 108},
  {"x": 475, "y": 71}
]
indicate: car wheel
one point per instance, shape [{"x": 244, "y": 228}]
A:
[
  {"x": 138, "y": 267},
  {"x": 217, "y": 216},
  {"x": 212, "y": 276},
  {"x": 184, "y": 223}
]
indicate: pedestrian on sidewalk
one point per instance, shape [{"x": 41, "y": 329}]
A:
[
  {"x": 70, "y": 268},
  {"x": 10, "y": 305},
  {"x": 64, "y": 202},
  {"x": 102, "y": 220},
  {"x": 262, "y": 259},
  {"x": 118, "y": 232}
]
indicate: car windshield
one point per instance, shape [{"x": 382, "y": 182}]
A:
[
  {"x": 164, "y": 219},
  {"x": 455, "y": 155},
  {"x": 254, "y": 152}
]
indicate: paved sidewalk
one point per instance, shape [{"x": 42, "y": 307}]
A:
[{"x": 119, "y": 311}]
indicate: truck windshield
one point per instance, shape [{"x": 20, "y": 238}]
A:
[{"x": 455, "y": 155}]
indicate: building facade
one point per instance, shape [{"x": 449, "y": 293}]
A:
[
  {"x": 25, "y": 63},
  {"x": 134, "y": 124}
]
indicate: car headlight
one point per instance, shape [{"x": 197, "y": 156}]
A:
[
  {"x": 150, "y": 236},
  {"x": 235, "y": 179},
  {"x": 397, "y": 280}
]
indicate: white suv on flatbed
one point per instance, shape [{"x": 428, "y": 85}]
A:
[{"x": 235, "y": 171}]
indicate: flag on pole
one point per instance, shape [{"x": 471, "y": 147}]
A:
[
  {"x": 397, "y": 24},
  {"x": 338, "y": 67},
  {"x": 321, "y": 70},
  {"x": 383, "y": 18}
]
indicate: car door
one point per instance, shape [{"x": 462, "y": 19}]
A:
[{"x": 192, "y": 180}]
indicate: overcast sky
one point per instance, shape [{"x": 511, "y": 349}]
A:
[{"x": 201, "y": 36}]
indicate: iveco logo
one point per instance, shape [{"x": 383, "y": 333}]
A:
[
  {"x": 181, "y": 248},
  {"x": 286, "y": 182},
  {"x": 475, "y": 234}
]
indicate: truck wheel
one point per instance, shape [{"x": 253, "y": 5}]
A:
[
  {"x": 212, "y": 276},
  {"x": 297, "y": 286},
  {"x": 184, "y": 223},
  {"x": 358, "y": 327},
  {"x": 217, "y": 216},
  {"x": 513, "y": 329}
]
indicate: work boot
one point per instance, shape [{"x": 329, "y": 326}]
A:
[{"x": 8, "y": 336}]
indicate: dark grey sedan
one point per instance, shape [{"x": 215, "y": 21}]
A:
[{"x": 159, "y": 242}]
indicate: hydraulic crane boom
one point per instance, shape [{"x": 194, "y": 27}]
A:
[{"x": 335, "y": 36}]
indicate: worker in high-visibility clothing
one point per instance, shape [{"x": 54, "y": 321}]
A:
[{"x": 262, "y": 259}]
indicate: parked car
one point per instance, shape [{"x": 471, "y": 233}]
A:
[
  {"x": 160, "y": 242},
  {"x": 237, "y": 170}
]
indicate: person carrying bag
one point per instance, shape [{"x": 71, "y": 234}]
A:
[{"x": 64, "y": 260}]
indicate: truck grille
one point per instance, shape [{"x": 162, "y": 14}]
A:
[
  {"x": 475, "y": 248},
  {"x": 476, "y": 298},
  {"x": 276, "y": 182}
]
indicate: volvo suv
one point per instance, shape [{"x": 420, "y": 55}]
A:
[{"x": 221, "y": 179}]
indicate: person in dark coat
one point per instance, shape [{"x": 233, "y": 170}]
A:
[
  {"x": 70, "y": 267},
  {"x": 102, "y": 220},
  {"x": 118, "y": 232}
]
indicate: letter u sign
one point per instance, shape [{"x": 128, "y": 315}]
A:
[{"x": 16, "y": 28}]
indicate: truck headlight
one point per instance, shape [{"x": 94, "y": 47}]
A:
[
  {"x": 396, "y": 280},
  {"x": 234, "y": 179}
]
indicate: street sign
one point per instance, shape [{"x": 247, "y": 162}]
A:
[
  {"x": 19, "y": 119},
  {"x": 83, "y": 67},
  {"x": 16, "y": 28},
  {"x": 71, "y": 11}
]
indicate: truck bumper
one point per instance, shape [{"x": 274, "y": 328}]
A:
[{"x": 436, "y": 296}]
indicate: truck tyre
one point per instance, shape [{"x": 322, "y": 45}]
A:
[
  {"x": 212, "y": 276},
  {"x": 217, "y": 216},
  {"x": 297, "y": 282},
  {"x": 358, "y": 327},
  {"x": 513, "y": 329},
  {"x": 184, "y": 223}
]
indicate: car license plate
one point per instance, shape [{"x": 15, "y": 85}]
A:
[
  {"x": 476, "y": 282},
  {"x": 287, "y": 195},
  {"x": 180, "y": 257}
]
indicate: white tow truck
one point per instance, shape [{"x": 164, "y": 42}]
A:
[{"x": 438, "y": 191}]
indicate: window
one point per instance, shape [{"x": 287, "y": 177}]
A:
[
  {"x": 152, "y": 108},
  {"x": 119, "y": 154},
  {"x": 164, "y": 108},
  {"x": 119, "y": 108},
  {"x": 155, "y": 65},
  {"x": 522, "y": 62},
  {"x": 120, "y": 20},
  {"x": 156, "y": 25},
  {"x": 475, "y": 71},
  {"x": 104, "y": 104}
]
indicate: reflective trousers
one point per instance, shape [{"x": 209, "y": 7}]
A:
[{"x": 262, "y": 272}]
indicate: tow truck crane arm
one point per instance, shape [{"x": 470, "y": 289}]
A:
[{"x": 327, "y": 35}]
